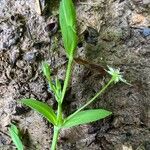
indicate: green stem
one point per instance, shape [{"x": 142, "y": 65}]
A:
[
  {"x": 59, "y": 114},
  {"x": 55, "y": 138},
  {"x": 59, "y": 109},
  {"x": 68, "y": 75},
  {"x": 91, "y": 100},
  {"x": 56, "y": 128}
]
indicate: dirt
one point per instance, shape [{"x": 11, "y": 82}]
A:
[{"x": 111, "y": 32}]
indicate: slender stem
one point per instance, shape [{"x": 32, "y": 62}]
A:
[
  {"x": 55, "y": 138},
  {"x": 91, "y": 100},
  {"x": 68, "y": 75},
  {"x": 59, "y": 114},
  {"x": 56, "y": 128},
  {"x": 59, "y": 109}
]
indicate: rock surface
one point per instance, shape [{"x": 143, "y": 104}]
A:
[{"x": 115, "y": 37}]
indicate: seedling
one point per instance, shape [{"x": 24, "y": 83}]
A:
[
  {"x": 16, "y": 136},
  {"x": 67, "y": 18}
]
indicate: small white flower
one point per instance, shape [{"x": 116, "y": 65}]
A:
[{"x": 116, "y": 75}]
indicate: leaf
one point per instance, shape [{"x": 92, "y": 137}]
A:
[
  {"x": 41, "y": 108},
  {"x": 15, "y": 135},
  {"x": 46, "y": 70},
  {"x": 86, "y": 116},
  {"x": 15, "y": 129},
  {"x": 67, "y": 19},
  {"x": 58, "y": 84},
  {"x": 68, "y": 12},
  {"x": 58, "y": 89}
]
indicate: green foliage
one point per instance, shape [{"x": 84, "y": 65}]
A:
[
  {"x": 16, "y": 136},
  {"x": 54, "y": 87},
  {"x": 46, "y": 70},
  {"x": 58, "y": 89},
  {"x": 86, "y": 116},
  {"x": 41, "y": 108},
  {"x": 67, "y": 18}
]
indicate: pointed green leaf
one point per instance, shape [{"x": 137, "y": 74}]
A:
[
  {"x": 58, "y": 90},
  {"x": 58, "y": 84},
  {"x": 41, "y": 108},
  {"x": 46, "y": 70},
  {"x": 68, "y": 12},
  {"x": 15, "y": 135},
  {"x": 86, "y": 116},
  {"x": 67, "y": 19},
  {"x": 15, "y": 129}
]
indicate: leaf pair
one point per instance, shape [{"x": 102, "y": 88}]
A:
[
  {"x": 67, "y": 19},
  {"x": 16, "y": 136},
  {"x": 81, "y": 117}
]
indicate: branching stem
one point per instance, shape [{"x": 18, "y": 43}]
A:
[
  {"x": 93, "y": 99},
  {"x": 59, "y": 109}
]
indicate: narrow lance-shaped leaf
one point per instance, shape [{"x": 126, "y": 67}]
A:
[
  {"x": 67, "y": 18},
  {"x": 58, "y": 89},
  {"x": 15, "y": 135},
  {"x": 15, "y": 129},
  {"x": 41, "y": 108},
  {"x": 46, "y": 70},
  {"x": 58, "y": 84},
  {"x": 86, "y": 116}
]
